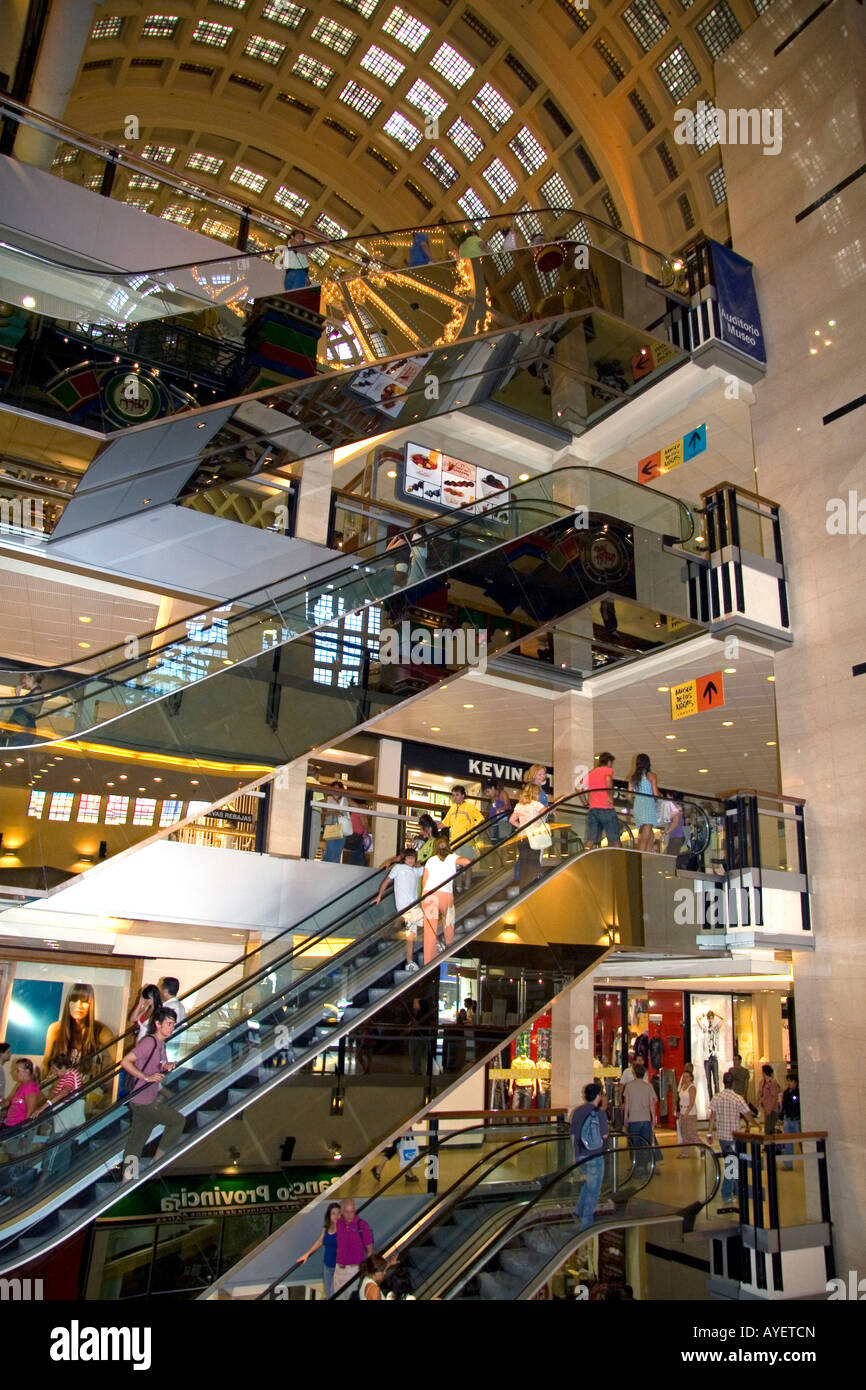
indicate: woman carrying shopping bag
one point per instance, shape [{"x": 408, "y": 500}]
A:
[{"x": 534, "y": 838}]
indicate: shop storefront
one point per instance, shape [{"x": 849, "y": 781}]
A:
[
  {"x": 666, "y": 1028},
  {"x": 177, "y": 1235},
  {"x": 429, "y": 772}
]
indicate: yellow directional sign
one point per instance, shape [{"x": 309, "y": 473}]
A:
[
  {"x": 684, "y": 699},
  {"x": 672, "y": 455},
  {"x": 691, "y": 697}
]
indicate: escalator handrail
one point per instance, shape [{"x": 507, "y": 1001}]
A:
[
  {"x": 194, "y": 1016},
  {"x": 444, "y": 1208},
  {"x": 224, "y": 999},
  {"x": 421, "y": 1157},
  {"x": 523, "y": 1216},
  {"x": 375, "y": 551}
]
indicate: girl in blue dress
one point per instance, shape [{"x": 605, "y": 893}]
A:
[
  {"x": 328, "y": 1241},
  {"x": 645, "y": 790}
]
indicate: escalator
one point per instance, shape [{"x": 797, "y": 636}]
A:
[
  {"x": 507, "y": 1222},
  {"x": 183, "y": 407},
  {"x": 307, "y": 993},
  {"x": 220, "y": 701}
]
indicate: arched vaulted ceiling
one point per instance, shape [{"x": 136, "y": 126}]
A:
[{"x": 321, "y": 111}]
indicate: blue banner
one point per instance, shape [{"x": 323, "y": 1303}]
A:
[{"x": 738, "y": 303}]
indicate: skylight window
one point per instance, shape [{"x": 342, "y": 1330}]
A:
[
  {"x": 160, "y": 154},
  {"x": 266, "y": 50},
  {"x": 451, "y": 65},
  {"x": 206, "y": 163},
  {"x": 405, "y": 28},
  {"x": 247, "y": 178},
  {"x": 493, "y": 106},
  {"x": 284, "y": 12},
  {"x": 326, "y": 224},
  {"x": 472, "y": 205},
  {"x": 293, "y": 201},
  {"x": 502, "y": 182},
  {"x": 361, "y": 99},
  {"x": 678, "y": 73},
  {"x": 311, "y": 70},
  {"x": 467, "y": 140},
  {"x": 426, "y": 98},
  {"x": 403, "y": 131},
  {"x": 528, "y": 150},
  {"x": 159, "y": 26},
  {"x": 216, "y": 35},
  {"x": 440, "y": 168},
  {"x": 382, "y": 65},
  {"x": 333, "y": 35},
  {"x": 555, "y": 193}
]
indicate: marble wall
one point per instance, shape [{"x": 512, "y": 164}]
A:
[{"x": 811, "y": 278}]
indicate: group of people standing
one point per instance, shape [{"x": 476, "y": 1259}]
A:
[
  {"x": 650, "y": 810},
  {"x": 346, "y": 1242},
  {"x": 427, "y": 867}
]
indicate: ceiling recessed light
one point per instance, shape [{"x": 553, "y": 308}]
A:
[
  {"x": 533, "y": 730},
  {"x": 468, "y": 706},
  {"x": 123, "y": 776},
  {"x": 670, "y": 737},
  {"x": 84, "y": 645},
  {"x": 157, "y": 779},
  {"x": 194, "y": 782},
  {"x": 726, "y": 723},
  {"x": 76, "y": 779},
  {"x": 682, "y": 750},
  {"x": 392, "y": 473},
  {"x": 109, "y": 784},
  {"x": 817, "y": 332},
  {"x": 730, "y": 670},
  {"x": 771, "y": 678},
  {"x": 523, "y": 477},
  {"x": 703, "y": 769},
  {"x": 142, "y": 789},
  {"x": 771, "y": 743},
  {"x": 831, "y": 323},
  {"x": 29, "y": 302},
  {"x": 813, "y": 352},
  {"x": 662, "y": 687},
  {"x": 435, "y": 729},
  {"x": 84, "y": 620}
]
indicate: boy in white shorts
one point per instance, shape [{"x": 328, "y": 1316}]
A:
[{"x": 406, "y": 878}]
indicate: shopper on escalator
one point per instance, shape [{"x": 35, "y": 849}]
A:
[
  {"x": 589, "y": 1131},
  {"x": 602, "y": 820},
  {"x": 354, "y": 1244},
  {"x": 534, "y": 835}
]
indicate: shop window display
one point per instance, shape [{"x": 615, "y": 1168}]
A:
[{"x": 712, "y": 1045}]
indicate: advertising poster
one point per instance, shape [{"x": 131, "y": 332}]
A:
[
  {"x": 447, "y": 483},
  {"x": 386, "y": 387},
  {"x": 712, "y": 1045}
]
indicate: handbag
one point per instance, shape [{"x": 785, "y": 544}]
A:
[
  {"x": 539, "y": 836},
  {"x": 333, "y": 831}
]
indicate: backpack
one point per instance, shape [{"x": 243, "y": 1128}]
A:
[{"x": 590, "y": 1133}]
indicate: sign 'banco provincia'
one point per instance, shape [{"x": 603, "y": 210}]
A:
[{"x": 226, "y": 1194}]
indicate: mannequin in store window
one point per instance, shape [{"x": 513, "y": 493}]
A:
[{"x": 710, "y": 1026}]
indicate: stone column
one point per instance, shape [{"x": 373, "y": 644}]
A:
[
  {"x": 66, "y": 33},
  {"x": 388, "y": 835},
  {"x": 572, "y": 739},
  {"x": 571, "y": 1044},
  {"x": 314, "y": 501},
  {"x": 288, "y": 795}
]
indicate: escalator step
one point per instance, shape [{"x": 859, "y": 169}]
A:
[
  {"x": 502, "y": 1287},
  {"x": 493, "y": 907},
  {"x": 376, "y": 993},
  {"x": 521, "y": 1262},
  {"x": 513, "y": 891}
]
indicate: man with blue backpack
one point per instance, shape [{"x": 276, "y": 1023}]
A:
[{"x": 589, "y": 1130}]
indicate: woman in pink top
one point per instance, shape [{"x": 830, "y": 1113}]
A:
[
  {"x": 437, "y": 896},
  {"x": 22, "y": 1103}
]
